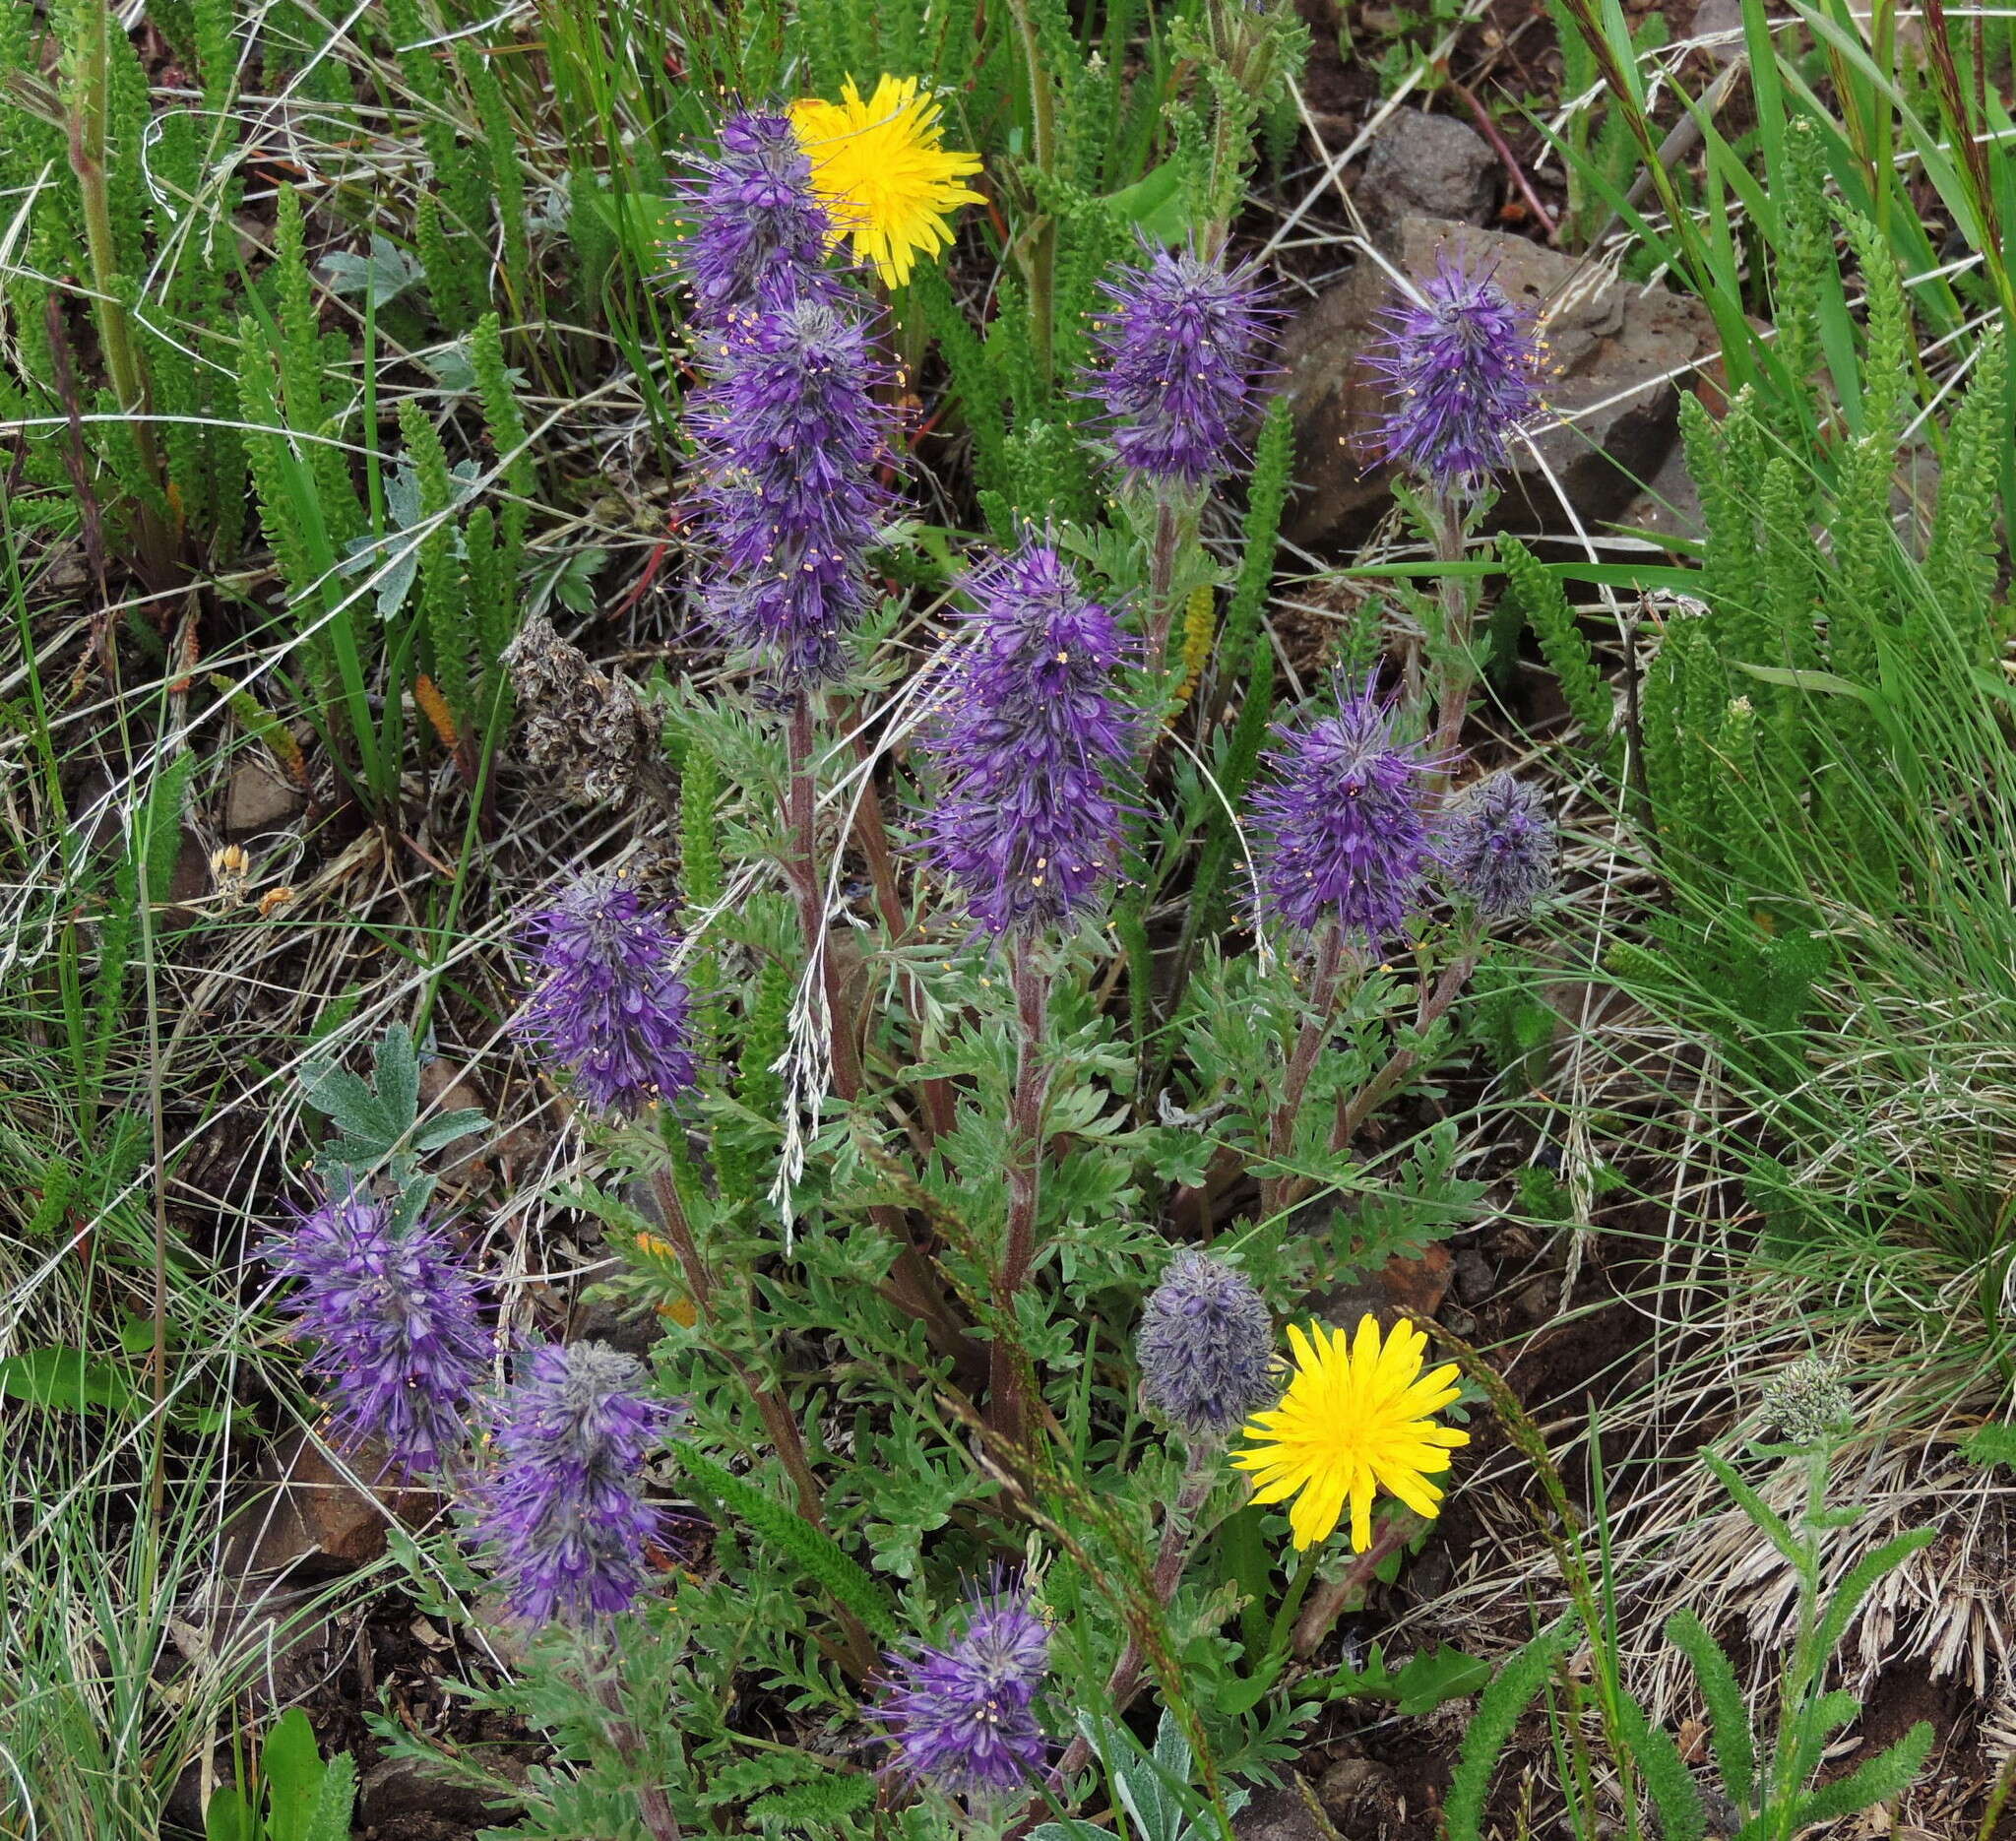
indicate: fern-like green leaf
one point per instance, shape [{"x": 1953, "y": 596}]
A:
[
  {"x": 1498, "y": 1709},
  {"x": 785, "y": 1532},
  {"x": 1729, "y": 1733}
]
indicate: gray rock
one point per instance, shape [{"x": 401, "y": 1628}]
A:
[
  {"x": 1611, "y": 398},
  {"x": 1289, "y": 1812},
  {"x": 1425, "y": 167},
  {"x": 258, "y": 800}
]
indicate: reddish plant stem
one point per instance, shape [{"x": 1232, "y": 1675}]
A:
[
  {"x": 1490, "y": 130},
  {"x": 653, "y": 1808},
  {"x": 1301, "y": 1062},
  {"x": 773, "y": 1410},
  {"x": 1328, "y": 1599},
  {"x": 1008, "y": 1408},
  {"x": 1351, "y": 1114},
  {"x": 1179, "y": 1535},
  {"x": 1162, "y": 573},
  {"x": 871, "y": 828},
  {"x": 911, "y": 1284}
]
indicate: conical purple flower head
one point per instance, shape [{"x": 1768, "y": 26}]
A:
[
  {"x": 611, "y": 1008},
  {"x": 790, "y": 440},
  {"x": 400, "y": 1346},
  {"x": 1206, "y": 1349},
  {"x": 1498, "y": 848},
  {"x": 1028, "y": 746},
  {"x": 561, "y": 1510},
  {"x": 963, "y": 1718},
  {"x": 760, "y": 235},
  {"x": 1177, "y": 347},
  {"x": 1344, "y": 826},
  {"x": 1465, "y": 367}
]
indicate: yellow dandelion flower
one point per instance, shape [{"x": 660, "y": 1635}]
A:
[
  {"x": 879, "y": 168},
  {"x": 1356, "y": 1419}
]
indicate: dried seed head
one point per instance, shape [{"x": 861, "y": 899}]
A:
[{"x": 589, "y": 726}]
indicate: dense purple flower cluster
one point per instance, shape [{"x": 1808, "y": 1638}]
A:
[
  {"x": 789, "y": 441},
  {"x": 561, "y": 1509},
  {"x": 759, "y": 236},
  {"x": 611, "y": 1008},
  {"x": 400, "y": 1346},
  {"x": 1206, "y": 1348},
  {"x": 1177, "y": 348},
  {"x": 963, "y": 1718},
  {"x": 1464, "y": 365},
  {"x": 1345, "y": 823},
  {"x": 1499, "y": 846},
  {"x": 1027, "y": 745}
]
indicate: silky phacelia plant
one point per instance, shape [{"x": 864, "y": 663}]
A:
[
  {"x": 1499, "y": 846},
  {"x": 395, "y": 1319},
  {"x": 561, "y": 1509},
  {"x": 962, "y": 1719},
  {"x": 610, "y": 1008},
  {"x": 791, "y": 438},
  {"x": 759, "y": 234},
  {"x": 1464, "y": 367},
  {"x": 1343, "y": 823},
  {"x": 1177, "y": 347},
  {"x": 1206, "y": 1349},
  {"x": 1027, "y": 748}
]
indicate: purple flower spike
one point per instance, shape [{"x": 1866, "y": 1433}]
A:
[
  {"x": 790, "y": 440},
  {"x": 1499, "y": 847},
  {"x": 1027, "y": 745},
  {"x": 1177, "y": 348},
  {"x": 611, "y": 1008},
  {"x": 1344, "y": 826},
  {"x": 400, "y": 1346},
  {"x": 760, "y": 235},
  {"x": 1206, "y": 1349},
  {"x": 963, "y": 1718},
  {"x": 561, "y": 1511},
  {"x": 1465, "y": 367}
]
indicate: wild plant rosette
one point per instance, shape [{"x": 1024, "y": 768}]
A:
[
  {"x": 1499, "y": 846},
  {"x": 759, "y": 236},
  {"x": 560, "y": 1510},
  {"x": 1343, "y": 822},
  {"x": 395, "y": 1322},
  {"x": 962, "y": 1719},
  {"x": 789, "y": 442},
  {"x": 1027, "y": 748},
  {"x": 1464, "y": 367},
  {"x": 1177, "y": 348},
  {"x": 1205, "y": 1347},
  {"x": 610, "y": 1007}
]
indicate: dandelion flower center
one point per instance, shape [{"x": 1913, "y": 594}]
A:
[
  {"x": 881, "y": 171},
  {"x": 1357, "y": 1418}
]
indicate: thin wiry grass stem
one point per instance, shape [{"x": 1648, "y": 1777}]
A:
[{"x": 1009, "y": 1407}]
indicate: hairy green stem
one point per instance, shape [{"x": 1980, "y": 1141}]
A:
[
  {"x": 1302, "y": 1063},
  {"x": 1040, "y": 268}
]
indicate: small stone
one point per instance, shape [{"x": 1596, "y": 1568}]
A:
[
  {"x": 259, "y": 800},
  {"x": 1361, "y": 1796},
  {"x": 302, "y": 1514},
  {"x": 1287, "y": 1812},
  {"x": 1408, "y": 1285},
  {"x": 400, "y": 1798},
  {"x": 1425, "y": 167}
]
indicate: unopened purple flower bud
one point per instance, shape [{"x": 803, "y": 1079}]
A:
[
  {"x": 398, "y": 1343},
  {"x": 1464, "y": 365},
  {"x": 760, "y": 236},
  {"x": 1206, "y": 1349},
  {"x": 611, "y": 1008},
  {"x": 1344, "y": 825},
  {"x": 562, "y": 1510},
  {"x": 1499, "y": 846},
  {"x": 790, "y": 439},
  {"x": 963, "y": 1718},
  {"x": 1177, "y": 349},
  {"x": 1028, "y": 747}
]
